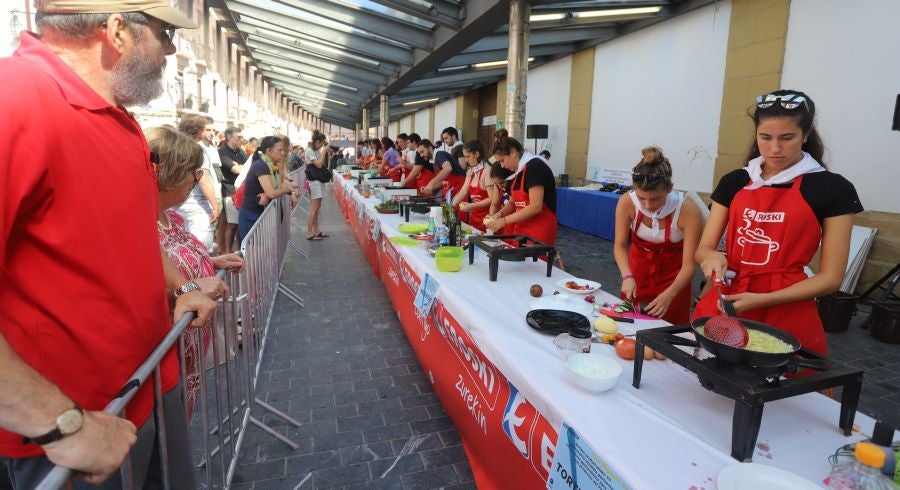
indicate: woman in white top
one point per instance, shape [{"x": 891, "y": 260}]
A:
[{"x": 664, "y": 229}]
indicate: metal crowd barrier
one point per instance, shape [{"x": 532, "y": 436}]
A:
[{"x": 228, "y": 368}]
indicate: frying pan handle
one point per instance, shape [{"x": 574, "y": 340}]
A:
[
  {"x": 676, "y": 340},
  {"x": 816, "y": 364}
]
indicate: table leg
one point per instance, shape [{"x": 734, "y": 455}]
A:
[
  {"x": 551, "y": 257},
  {"x": 471, "y": 252},
  {"x": 493, "y": 266}
]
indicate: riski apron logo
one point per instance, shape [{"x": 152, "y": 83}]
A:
[{"x": 758, "y": 247}]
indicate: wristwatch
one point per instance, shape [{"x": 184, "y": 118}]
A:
[
  {"x": 67, "y": 423},
  {"x": 187, "y": 287}
]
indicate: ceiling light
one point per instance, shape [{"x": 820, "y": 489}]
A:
[
  {"x": 424, "y": 101},
  {"x": 452, "y": 68},
  {"x": 492, "y": 64},
  {"x": 546, "y": 17},
  {"x": 617, "y": 12}
]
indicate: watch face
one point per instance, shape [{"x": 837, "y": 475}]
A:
[{"x": 70, "y": 421}]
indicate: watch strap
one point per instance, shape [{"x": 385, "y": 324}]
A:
[{"x": 52, "y": 436}]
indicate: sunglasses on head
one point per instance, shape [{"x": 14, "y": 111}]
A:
[
  {"x": 788, "y": 101},
  {"x": 641, "y": 179}
]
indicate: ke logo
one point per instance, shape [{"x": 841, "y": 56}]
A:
[{"x": 529, "y": 432}]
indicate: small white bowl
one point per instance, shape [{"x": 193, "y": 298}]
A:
[{"x": 593, "y": 372}]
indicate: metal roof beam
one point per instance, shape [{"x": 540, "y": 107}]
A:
[
  {"x": 482, "y": 18},
  {"x": 355, "y": 42},
  {"x": 470, "y": 58},
  {"x": 440, "y": 12},
  {"x": 373, "y": 22},
  {"x": 552, "y": 36},
  {"x": 315, "y": 48},
  {"x": 668, "y": 12},
  {"x": 296, "y": 56},
  {"x": 303, "y": 69},
  {"x": 331, "y": 91},
  {"x": 469, "y": 76}
]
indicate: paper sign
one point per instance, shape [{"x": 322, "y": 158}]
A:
[
  {"x": 617, "y": 175},
  {"x": 425, "y": 295},
  {"x": 489, "y": 120},
  {"x": 576, "y": 465}
]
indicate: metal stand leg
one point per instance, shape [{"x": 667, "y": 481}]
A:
[
  {"x": 638, "y": 364},
  {"x": 297, "y": 249},
  {"x": 849, "y": 403},
  {"x": 744, "y": 429}
]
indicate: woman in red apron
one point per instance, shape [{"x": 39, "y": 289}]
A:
[
  {"x": 664, "y": 229},
  {"x": 531, "y": 210},
  {"x": 474, "y": 201},
  {"x": 775, "y": 212}
]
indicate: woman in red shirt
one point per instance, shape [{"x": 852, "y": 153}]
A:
[
  {"x": 663, "y": 227},
  {"x": 776, "y": 211},
  {"x": 477, "y": 193}
]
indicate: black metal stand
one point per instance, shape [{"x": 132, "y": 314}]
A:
[{"x": 750, "y": 387}]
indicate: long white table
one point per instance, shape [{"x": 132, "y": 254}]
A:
[{"x": 672, "y": 433}]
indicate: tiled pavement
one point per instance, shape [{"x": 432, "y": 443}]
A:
[{"x": 343, "y": 367}]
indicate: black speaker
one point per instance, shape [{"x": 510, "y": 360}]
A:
[
  {"x": 896, "y": 126},
  {"x": 539, "y": 131}
]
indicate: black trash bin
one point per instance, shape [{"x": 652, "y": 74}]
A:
[
  {"x": 885, "y": 321},
  {"x": 564, "y": 180},
  {"x": 835, "y": 310}
]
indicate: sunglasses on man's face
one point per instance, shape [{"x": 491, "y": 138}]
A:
[
  {"x": 788, "y": 101},
  {"x": 644, "y": 180}
]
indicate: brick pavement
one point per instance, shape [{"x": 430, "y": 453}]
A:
[{"x": 343, "y": 367}]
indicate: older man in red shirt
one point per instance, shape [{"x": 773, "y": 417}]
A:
[{"x": 83, "y": 283}]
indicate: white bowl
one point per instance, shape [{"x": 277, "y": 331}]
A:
[{"x": 593, "y": 372}]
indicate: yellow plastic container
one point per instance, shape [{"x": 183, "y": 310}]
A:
[{"x": 449, "y": 259}]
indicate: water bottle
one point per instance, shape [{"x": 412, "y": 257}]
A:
[
  {"x": 432, "y": 228},
  {"x": 863, "y": 473},
  {"x": 443, "y": 236}
]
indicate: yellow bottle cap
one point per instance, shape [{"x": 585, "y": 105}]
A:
[{"x": 869, "y": 454}]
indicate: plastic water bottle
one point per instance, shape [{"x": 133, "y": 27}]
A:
[
  {"x": 432, "y": 228},
  {"x": 864, "y": 473}
]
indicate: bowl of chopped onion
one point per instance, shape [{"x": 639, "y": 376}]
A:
[{"x": 593, "y": 372}]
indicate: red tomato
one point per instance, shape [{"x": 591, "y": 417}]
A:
[{"x": 625, "y": 348}]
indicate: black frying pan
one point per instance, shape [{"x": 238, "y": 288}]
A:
[{"x": 744, "y": 356}]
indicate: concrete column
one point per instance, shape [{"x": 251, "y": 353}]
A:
[
  {"x": 365, "y": 122},
  {"x": 356, "y": 133},
  {"x": 517, "y": 68},
  {"x": 383, "y": 129}
]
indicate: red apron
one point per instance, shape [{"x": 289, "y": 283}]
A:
[
  {"x": 654, "y": 266},
  {"x": 772, "y": 235},
  {"x": 541, "y": 227},
  {"x": 453, "y": 182},
  {"x": 476, "y": 194},
  {"x": 423, "y": 179}
]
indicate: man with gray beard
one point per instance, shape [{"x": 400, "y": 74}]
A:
[{"x": 83, "y": 283}]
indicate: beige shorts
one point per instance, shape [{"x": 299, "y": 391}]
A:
[
  {"x": 316, "y": 189},
  {"x": 231, "y": 212}
]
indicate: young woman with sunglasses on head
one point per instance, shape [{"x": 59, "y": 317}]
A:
[
  {"x": 776, "y": 211},
  {"x": 531, "y": 209},
  {"x": 664, "y": 228}
]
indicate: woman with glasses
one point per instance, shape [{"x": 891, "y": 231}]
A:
[
  {"x": 663, "y": 228},
  {"x": 775, "y": 212},
  {"x": 263, "y": 182},
  {"x": 531, "y": 209},
  {"x": 179, "y": 160}
]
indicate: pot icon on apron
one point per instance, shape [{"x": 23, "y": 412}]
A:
[{"x": 757, "y": 246}]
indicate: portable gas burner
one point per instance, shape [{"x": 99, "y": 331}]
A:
[
  {"x": 498, "y": 247},
  {"x": 750, "y": 386}
]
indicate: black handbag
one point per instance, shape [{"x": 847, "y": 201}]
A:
[{"x": 318, "y": 174}]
